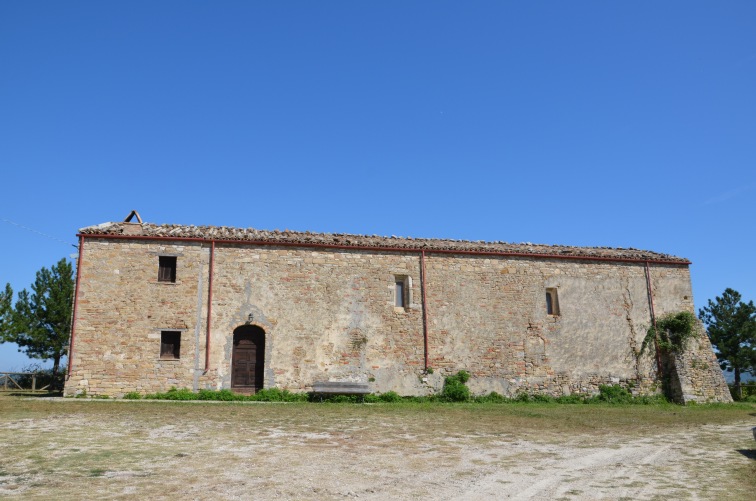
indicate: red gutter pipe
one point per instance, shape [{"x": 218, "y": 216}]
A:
[
  {"x": 425, "y": 308},
  {"x": 650, "y": 295},
  {"x": 394, "y": 249},
  {"x": 653, "y": 318},
  {"x": 75, "y": 305},
  {"x": 209, "y": 306}
]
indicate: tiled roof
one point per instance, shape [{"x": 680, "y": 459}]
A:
[{"x": 287, "y": 237}]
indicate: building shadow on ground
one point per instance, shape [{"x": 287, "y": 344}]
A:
[{"x": 36, "y": 394}]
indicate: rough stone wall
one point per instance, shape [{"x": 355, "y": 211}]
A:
[
  {"x": 489, "y": 316},
  {"x": 121, "y": 310},
  {"x": 330, "y": 315},
  {"x": 696, "y": 375}
]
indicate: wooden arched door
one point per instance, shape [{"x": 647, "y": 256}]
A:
[{"x": 248, "y": 359}]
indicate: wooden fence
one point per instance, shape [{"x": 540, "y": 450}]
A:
[{"x": 9, "y": 381}]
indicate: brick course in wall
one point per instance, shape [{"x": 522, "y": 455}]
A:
[{"x": 326, "y": 304}]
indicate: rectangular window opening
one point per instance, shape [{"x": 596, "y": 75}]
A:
[
  {"x": 402, "y": 291},
  {"x": 170, "y": 345},
  {"x": 167, "y": 269},
  {"x": 552, "y": 302},
  {"x": 399, "y": 300}
]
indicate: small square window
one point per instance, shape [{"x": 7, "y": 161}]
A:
[
  {"x": 170, "y": 345},
  {"x": 552, "y": 302},
  {"x": 167, "y": 269}
]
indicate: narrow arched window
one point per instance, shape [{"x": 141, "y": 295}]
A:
[
  {"x": 402, "y": 292},
  {"x": 399, "y": 299},
  {"x": 552, "y": 302}
]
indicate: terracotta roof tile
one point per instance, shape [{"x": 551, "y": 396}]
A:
[{"x": 287, "y": 237}]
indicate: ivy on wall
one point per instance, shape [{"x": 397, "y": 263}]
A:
[{"x": 671, "y": 332}]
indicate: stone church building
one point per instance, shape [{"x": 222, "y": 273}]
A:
[{"x": 193, "y": 307}]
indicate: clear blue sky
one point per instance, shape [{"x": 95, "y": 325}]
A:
[{"x": 623, "y": 124}]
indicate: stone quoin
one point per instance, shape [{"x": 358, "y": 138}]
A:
[{"x": 159, "y": 306}]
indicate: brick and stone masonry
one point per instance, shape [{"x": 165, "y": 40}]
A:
[{"x": 324, "y": 307}]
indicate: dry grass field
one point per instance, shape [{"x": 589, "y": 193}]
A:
[{"x": 94, "y": 449}]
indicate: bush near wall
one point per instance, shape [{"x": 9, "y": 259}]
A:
[
  {"x": 455, "y": 390},
  {"x": 267, "y": 395}
]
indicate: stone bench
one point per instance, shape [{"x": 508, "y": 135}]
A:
[{"x": 340, "y": 388}]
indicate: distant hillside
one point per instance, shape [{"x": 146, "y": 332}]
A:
[{"x": 744, "y": 378}]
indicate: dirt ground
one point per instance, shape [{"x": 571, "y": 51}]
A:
[{"x": 73, "y": 449}]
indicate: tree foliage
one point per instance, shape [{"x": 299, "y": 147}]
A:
[
  {"x": 40, "y": 322},
  {"x": 671, "y": 332},
  {"x": 6, "y": 311},
  {"x": 731, "y": 325}
]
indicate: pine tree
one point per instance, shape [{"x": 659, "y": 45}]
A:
[
  {"x": 731, "y": 325},
  {"x": 40, "y": 322},
  {"x": 6, "y": 311}
]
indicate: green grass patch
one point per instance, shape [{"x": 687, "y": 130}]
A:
[
  {"x": 454, "y": 391},
  {"x": 266, "y": 395}
]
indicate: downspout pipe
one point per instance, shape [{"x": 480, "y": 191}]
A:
[
  {"x": 209, "y": 305},
  {"x": 75, "y": 306},
  {"x": 425, "y": 307},
  {"x": 653, "y": 318}
]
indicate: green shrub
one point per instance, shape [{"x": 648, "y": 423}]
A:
[
  {"x": 422, "y": 399},
  {"x": 390, "y": 396},
  {"x": 570, "y": 399},
  {"x": 276, "y": 395},
  {"x": 614, "y": 394},
  {"x": 456, "y": 392},
  {"x": 522, "y": 397},
  {"x": 173, "y": 394},
  {"x": 491, "y": 398},
  {"x": 455, "y": 389},
  {"x": 224, "y": 395},
  {"x": 650, "y": 399},
  {"x": 543, "y": 399},
  {"x": 339, "y": 399}
]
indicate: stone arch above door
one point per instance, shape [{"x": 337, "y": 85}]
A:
[{"x": 248, "y": 359}]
